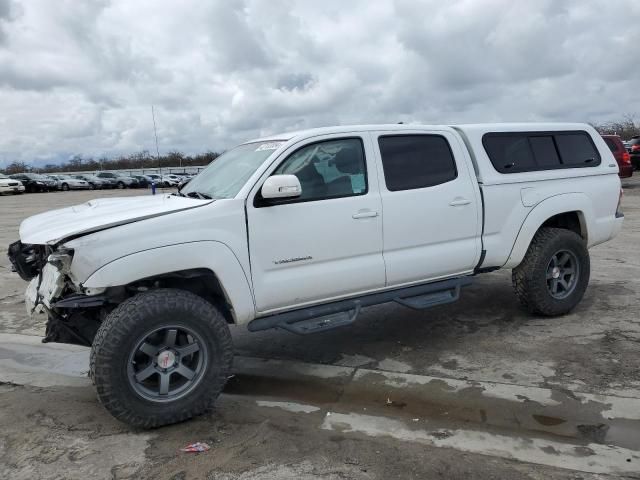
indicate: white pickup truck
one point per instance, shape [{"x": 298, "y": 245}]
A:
[{"x": 300, "y": 231}]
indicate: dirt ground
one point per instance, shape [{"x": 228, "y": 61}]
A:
[{"x": 584, "y": 365}]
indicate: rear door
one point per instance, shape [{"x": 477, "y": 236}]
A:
[
  {"x": 327, "y": 243},
  {"x": 432, "y": 206}
]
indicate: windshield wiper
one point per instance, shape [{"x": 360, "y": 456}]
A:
[{"x": 201, "y": 196}]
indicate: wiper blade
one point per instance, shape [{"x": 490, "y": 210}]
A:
[
  {"x": 178, "y": 194},
  {"x": 202, "y": 196}
]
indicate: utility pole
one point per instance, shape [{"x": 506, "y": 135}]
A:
[{"x": 155, "y": 132}]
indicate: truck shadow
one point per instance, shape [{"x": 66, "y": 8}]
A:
[{"x": 487, "y": 307}]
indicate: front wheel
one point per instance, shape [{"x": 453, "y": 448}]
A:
[
  {"x": 554, "y": 274},
  {"x": 161, "y": 357},
  {"x": 120, "y": 185}
]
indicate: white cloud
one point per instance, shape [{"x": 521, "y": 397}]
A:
[{"x": 80, "y": 77}]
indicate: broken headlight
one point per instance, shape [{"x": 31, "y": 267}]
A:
[{"x": 27, "y": 260}]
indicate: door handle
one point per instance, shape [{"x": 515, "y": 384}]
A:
[
  {"x": 459, "y": 202},
  {"x": 365, "y": 214}
]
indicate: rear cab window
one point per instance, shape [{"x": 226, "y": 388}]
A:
[
  {"x": 416, "y": 161},
  {"x": 513, "y": 152}
]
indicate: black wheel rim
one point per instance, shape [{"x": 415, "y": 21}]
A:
[
  {"x": 562, "y": 274},
  {"x": 167, "y": 363}
]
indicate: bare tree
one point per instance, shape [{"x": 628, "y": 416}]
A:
[{"x": 626, "y": 127}]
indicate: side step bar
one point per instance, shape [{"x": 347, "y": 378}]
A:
[{"x": 344, "y": 312}]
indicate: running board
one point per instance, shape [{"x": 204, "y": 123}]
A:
[
  {"x": 344, "y": 312},
  {"x": 428, "y": 300},
  {"x": 320, "y": 324}
]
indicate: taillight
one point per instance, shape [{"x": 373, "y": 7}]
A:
[
  {"x": 626, "y": 158},
  {"x": 635, "y": 148}
]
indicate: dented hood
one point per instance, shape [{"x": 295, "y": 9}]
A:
[{"x": 57, "y": 225}]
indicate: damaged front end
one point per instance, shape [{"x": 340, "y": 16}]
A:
[{"x": 72, "y": 317}]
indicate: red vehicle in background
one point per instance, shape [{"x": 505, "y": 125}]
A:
[{"x": 614, "y": 142}]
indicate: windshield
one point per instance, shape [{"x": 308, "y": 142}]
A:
[{"x": 226, "y": 175}]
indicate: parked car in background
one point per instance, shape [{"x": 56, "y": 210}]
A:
[
  {"x": 184, "y": 181},
  {"x": 121, "y": 180},
  {"x": 614, "y": 142},
  {"x": 34, "y": 182},
  {"x": 143, "y": 180},
  {"x": 171, "y": 180},
  {"x": 67, "y": 182},
  {"x": 10, "y": 185},
  {"x": 95, "y": 182},
  {"x": 157, "y": 179},
  {"x": 634, "y": 151}
]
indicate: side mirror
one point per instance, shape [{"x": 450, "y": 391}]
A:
[{"x": 281, "y": 186}]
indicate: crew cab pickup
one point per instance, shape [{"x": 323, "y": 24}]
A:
[{"x": 300, "y": 231}]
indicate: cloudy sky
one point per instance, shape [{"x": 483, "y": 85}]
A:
[{"x": 79, "y": 77}]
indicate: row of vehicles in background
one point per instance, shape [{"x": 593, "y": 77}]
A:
[
  {"x": 633, "y": 148},
  {"x": 35, "y": 182}
]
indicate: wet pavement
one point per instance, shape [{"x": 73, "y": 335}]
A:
[{"x": 476, "y": 389}]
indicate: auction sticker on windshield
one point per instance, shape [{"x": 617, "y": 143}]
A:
[{"x": 268, "y": 146}]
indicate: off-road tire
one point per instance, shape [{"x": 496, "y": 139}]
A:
[
  {"x": 529, "y": 278},
  {"x": 116, "y": 339}
]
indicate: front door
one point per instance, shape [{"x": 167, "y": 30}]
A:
[{"x": 327, "y": 243}]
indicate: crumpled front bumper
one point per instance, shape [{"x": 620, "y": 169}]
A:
[{"x": 42, "y": 290}]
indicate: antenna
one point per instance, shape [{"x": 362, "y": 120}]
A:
[{"x": 155, "y": 132}]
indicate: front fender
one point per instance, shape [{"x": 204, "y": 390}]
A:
[
  {"x": 212, "y": 255},
  {"x": 563, "y": 203}
]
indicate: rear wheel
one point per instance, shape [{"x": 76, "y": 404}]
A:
[
  {"x": 554, "y": 274},
  {"x": 120, "y": 185},
  {"x": 65, "y": 187},
  {"x": 161, "y": 357}
]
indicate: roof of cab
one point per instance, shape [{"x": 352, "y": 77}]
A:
[
  {"x": 346, "y": 129},
  {"x": 468, "y": 128}
]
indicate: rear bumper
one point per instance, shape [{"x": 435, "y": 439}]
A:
[
  {"x": 625, "y": 171},
  {"x": 617, "y": 225}
]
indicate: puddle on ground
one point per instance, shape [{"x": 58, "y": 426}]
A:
[
  {"x": 548, "y": 421},
  {"x": 440, "y": 405},
  {"x": 303, "y": 390}
]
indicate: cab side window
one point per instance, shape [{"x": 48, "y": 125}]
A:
[{"x": 328, "y": 169}]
